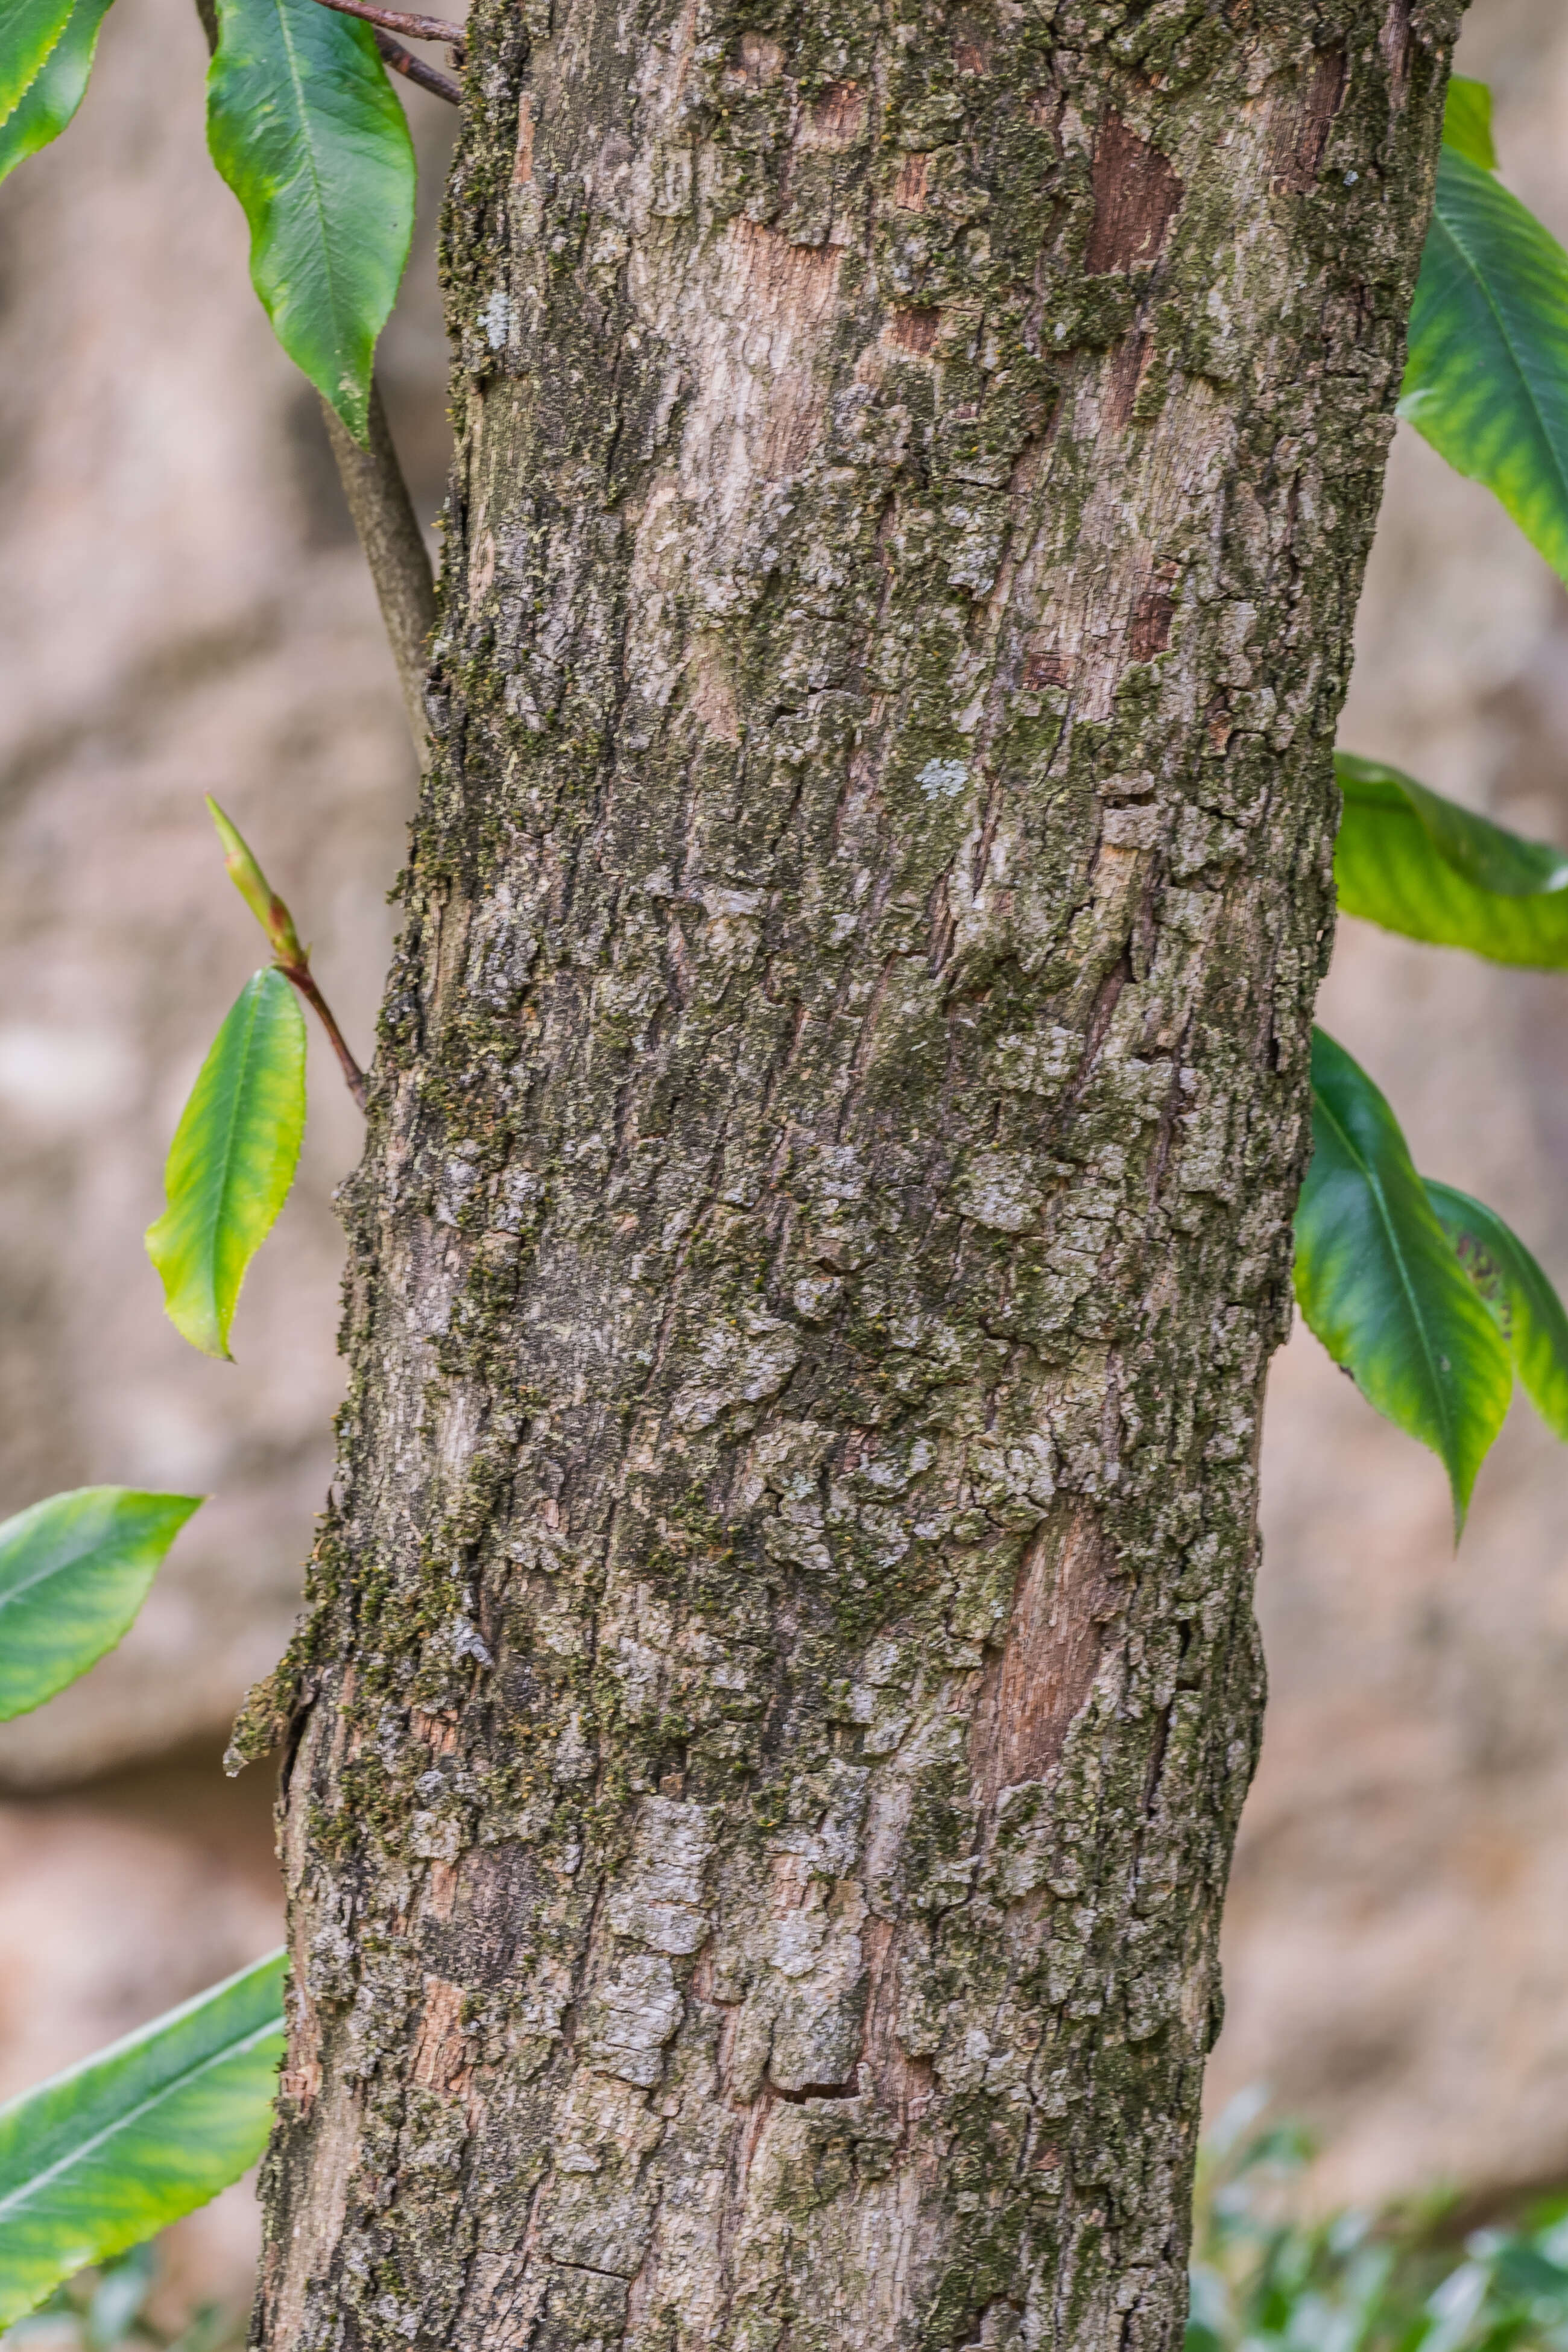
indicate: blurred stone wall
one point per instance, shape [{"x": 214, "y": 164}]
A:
[{"x": 182, "y": 609}]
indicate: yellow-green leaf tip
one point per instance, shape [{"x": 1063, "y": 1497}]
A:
[
  {"x": 232, "y": 1161},
  {"x": 255, "y": 890}
]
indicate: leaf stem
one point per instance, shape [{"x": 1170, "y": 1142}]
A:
[
  {"x": 382, "y": 513},
  {"x": 403, "y": 61},
  {"x": 300, "y": 975},
  {"x": 292, "y": 959},
  {"x": 398, "y": 20}
]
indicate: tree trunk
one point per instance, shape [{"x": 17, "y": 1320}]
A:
[{"x": 781, "y": 1676}]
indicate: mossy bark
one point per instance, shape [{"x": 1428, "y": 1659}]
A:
[{"x": 781, "y": 1675}]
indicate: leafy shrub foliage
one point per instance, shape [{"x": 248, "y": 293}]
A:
[{"x": 1266, "y": 2279}]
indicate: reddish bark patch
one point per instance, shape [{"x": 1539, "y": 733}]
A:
[
  {"x": 1045, "y": 666},
  {"x": 910, "y": 190},
  {"x": 915, "y": 330},
  {"x": 1136, "y": 193},
  {"x": 300, "y": 2078},
  {"x": 1149, "y": 629},
  {"x": 1304, "y": 126},
  {"x": 440, "y": 2055},
  {"x": 1029, "y": 1695},
  {"x": 439, "y": 1732},
  {"x": 901, "y": 2084},
  {"x": 835, "y": 118},
  {"x": 522, "y": 162},
  {"x": 1123, "y": 378},
  {"x": 783, "y": 283},
  {"x": 1394, "y": 41}
]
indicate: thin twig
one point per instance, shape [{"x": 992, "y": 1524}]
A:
[
  {"x": 290, "y": 956},
  {"x": 395, "y": 548},
  {"x": 396, "y": 20},
  {"x": 403, "y": 61},
  {"x": 383, "y": 517},
  {"x": 300, "y": 973}
]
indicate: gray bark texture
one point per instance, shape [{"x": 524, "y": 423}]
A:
[{"x": 780, "y": 1678}]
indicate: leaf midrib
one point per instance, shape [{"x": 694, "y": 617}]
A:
[
  {"x": 106, "y": 1546},
  {"x": 280, "y": 8},
  {"x": 1478, "y": 276},
  {"x": 11, "y": 2199},
  {"x": 1527, "y": 922},
  {"x": 213, "y": 1225},
  {"x": 1374, "y": 1186},
  {"x": 10, "y": 1593}
]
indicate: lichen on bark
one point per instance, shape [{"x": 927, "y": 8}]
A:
[{"x": 781, "y": 1674}]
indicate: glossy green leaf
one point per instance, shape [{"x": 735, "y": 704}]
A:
[
  {"x": 28, "y": 32},
  {"x": 1468, "y": 122},
  {"x": 232, "y": 1161},
  {"x": 1524, "y": 1304},
  {"x": 1485, "y": 854},
  {"x": 305, "y": 126},
  {"x": 1380, "y": 1285},
  {"x": 1486, "y": 380},
  {"x": 257, "y": 891},
  {"x": 55, "y": 90},
  {"x": 1415, "y": 863},
  {"x": 74, "y": 1570},
  {"x": 150, "y": 2128}
]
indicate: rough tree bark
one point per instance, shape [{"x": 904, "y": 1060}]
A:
[{"x": 781, "y": 1674}]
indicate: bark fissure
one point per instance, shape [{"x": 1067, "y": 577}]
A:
[{"x": 781, "y": 1675}]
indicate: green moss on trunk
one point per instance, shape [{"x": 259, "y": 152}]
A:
[{"x": 782, "y": 1675}]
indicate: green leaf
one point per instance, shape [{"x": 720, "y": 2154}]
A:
[
  {"x": 28, "y": 32},
  {"x": 1468, "y": 122},
  {"x": 232, "y": 1160},
  {"x": 1487, "y": 855},
  {"x": 118, "y": 2148},
  {"x": 1380, "y": 1285},
  {"x": 1415, "y": 863},
  {"x": 305, "y": 126},
  {"x": 55, "y": 90},
  {"x": 74, "y": 1570},
  {"x": 1524, "y": 1304},
  {"x": 1486, "y": 380}
]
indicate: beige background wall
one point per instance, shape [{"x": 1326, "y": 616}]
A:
[
  {"x": 1398, "y": 1945},
  {"x": 181, "y": 610}
]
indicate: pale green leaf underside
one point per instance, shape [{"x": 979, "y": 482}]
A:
[
  {"x": 56, "y": 89},
  {"x": 1415, "y": 863},
  {"x": 1486, "y": 380},
  {"x": 118, "y": 2148},
  {"x": 306, "y": 129},
  {"x": 232, "y": 1160},
  {"x": 1523, "y": 1303},
  {"x": 1380, "y": 1285},
  {"x": 1468, "y": 122},
  {"x": 28, "y": 32},
  {"x": 74, "y": 1570}
]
